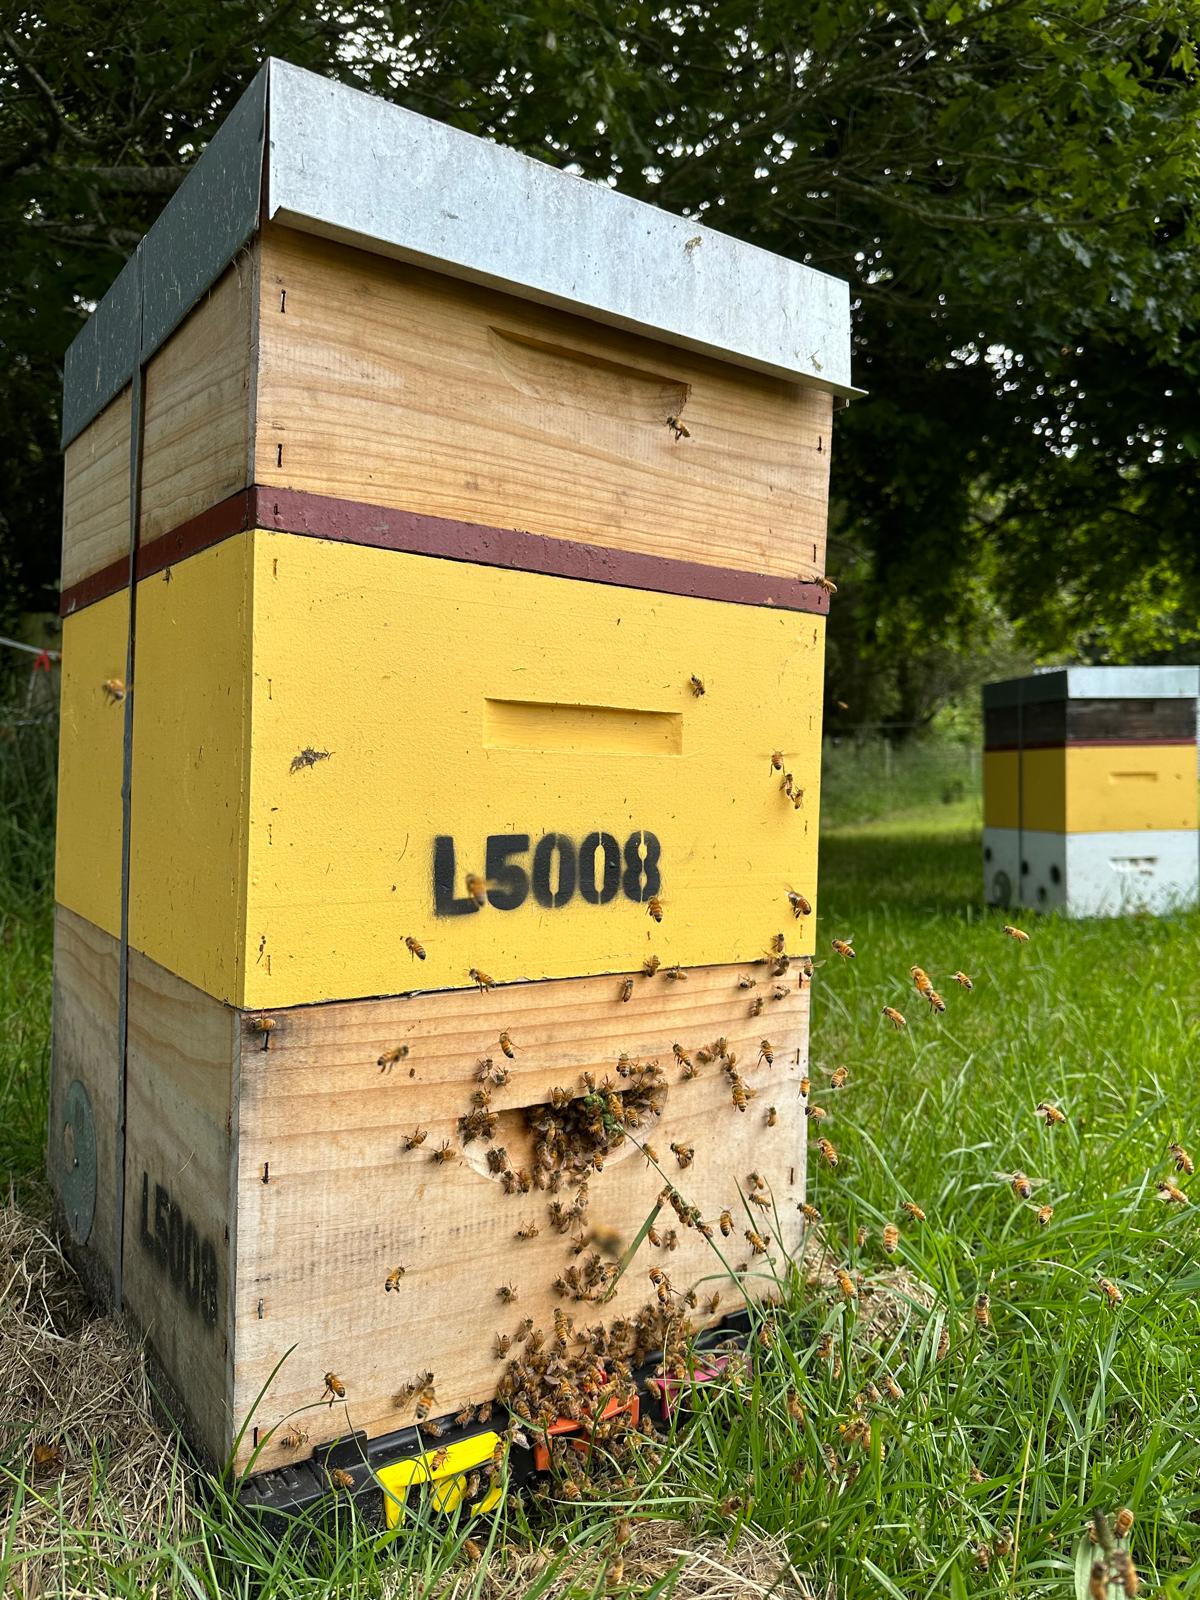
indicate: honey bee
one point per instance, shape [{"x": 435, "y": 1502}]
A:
[
  {"x": 962, "y": 979},
  {"x": 651, "y": 965},
  {"x": 439, "y": 1458},
  {"x": 809, "y": 1211},
  {"x": 1109, "y": 1290},
  {"x": 817, "y": 1113},
  {"x": 503, "y": 1344},
  {"x": 1020, "y": 1185},
  {"x": 844, "y": 948},
  {"x": 678, "y": 429},
  {"x": 726, "y": 1223},
  {"x": 697, "y": 685},
  {"x": 741, "y": 1093},
  {"x": 392, "y": 1281},
  {"x": 559, "y": 1098},
  {"x": 943, "y": 1349},
  {"x": 435, "y": 1430},
  {"x": 113, "y": 689},
  {"x": 1044, "y": 1215},
  {"x": 476, "y": 888},
  {"x": 626, "y": 992},
  {"x": 758, "y": 1242},
  {"x": 1122, "y": 1522},
  {"x": 921, "y": 978},
  {"x": 776, "y": 760},
  {"x": 826, "y": 585},
  {"x": 1172, "y": 1194},
  {"x": 443, "y": 1153},
  {"x": 264, "y": 1025},
  {"x": 983, "y": 1310},
  {"x": 654, "y": 908},
  {"x": 894, "y": 1017},
  {"x": 334, "y": 1387},
  {"x": 528, "y": 1230},
  {"x": 414, "y": 947},
  {"x": 838, "y": 1078},
  {"x": 681, "y": 1055},
  {"x": 1016, "y": 934},
  {"x": 762, "y": 1201},
  {"x": 472, "y": 1550},
  {"x": 389, "y": 1058},
  {"x": 756, "y": 1006},
  {"x": 294, "y": 1438},
  {"x": 1125, "y": 1573},
  {"x": 570, "y": 1490},
  {"x": 676, "y": 974},
  {"x": 797, "y": 799},
  {"x": 825, "y": 1347},
  {"x": 417, "y": 1137},
  {"x": 340, "y": 1479},
  {"x": 47, "y": 1458},
  {"x": 911, "y": 1209},
  {"x": 1051, "y": 1115},
  {"x": 800, "y": 906},
  {"x": 489, "y": 1072},
  {"x": 891, "y": 1388},
  {"x": 891, "y": 1238},
  {"x": 507, "y": 1293},
  {"x": 772, "y": 1116},
  {"x": 1183, "y": 1161},
  {"x": 684, "y": 1154},
  {"x": 481, "y": 980},
  {"x": 828, "y": 1152},
  {"x": 805, "y": 1086},
  {"x": 935, "y": 1000}
]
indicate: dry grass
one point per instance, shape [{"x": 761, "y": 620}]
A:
[
  {"x": 75, "y": 1383},
  {"x": 697, "y": 1567}
]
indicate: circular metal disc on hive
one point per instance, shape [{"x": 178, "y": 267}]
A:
[
  {"x": 1001, "y": 889},
  {"x": 76, "y": 1152}
]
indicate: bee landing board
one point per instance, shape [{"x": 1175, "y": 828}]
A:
[
  {"x": 477, "y": 632},
  {"x": 1090, "y": 790}
]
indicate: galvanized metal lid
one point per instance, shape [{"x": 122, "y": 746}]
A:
[
  {"x": 334, "y": 161},
  {"x": 1095, "y": 683}
]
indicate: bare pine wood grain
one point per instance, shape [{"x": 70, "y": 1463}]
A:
[
  {"x": 388, "y": 384},
  {"x": 96, "y": 494},
  {"x": 329, "y": 1201}
]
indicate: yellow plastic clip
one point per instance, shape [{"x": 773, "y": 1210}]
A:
[{"x": 449, "y": 1477}]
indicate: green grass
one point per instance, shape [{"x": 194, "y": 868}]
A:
[{"x": 1063, "y": 1406}]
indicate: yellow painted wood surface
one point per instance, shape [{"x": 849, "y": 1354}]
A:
[
  {"x": 1092, "y": 788},
  {"x": 401, "y": 673},
  {"x": 191, "y": 736},
  {"x": 344, "y": 1203},
  {"x": 386, "y": 383},
  {"x": 91, "y": 741},
  {"x": 197, "y": 442}
]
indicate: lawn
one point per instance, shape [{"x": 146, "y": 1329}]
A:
[{"x": 885, "y": 1444}]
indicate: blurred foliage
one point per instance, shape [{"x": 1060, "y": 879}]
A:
[{"x": 1008, "y": 187}]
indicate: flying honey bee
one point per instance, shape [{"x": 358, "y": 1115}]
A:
[
  {"x": 1020, "y": 1185},
  {"x": 1016, "y": 934},
  {"x": 911, "y": 1209},
  {"x": 762, "y": 1201},
  {"x": 1183, "y": 1161},
  {"x": 389, "y": 1058},
  {"x": 891, "y": 1238},
  {"x": 1050, "y": 1114},
  {"x": 726, "y": 1223},
  {"x": 414, "y": 947},
  {"x": 776, "y": 760},
  {"x": 113, "y": 690},
  {"x": 1172, "y": 1194},
  {"x": 476, "y": 888},
  {"x": 392, "y": 1281},
  {"x": 334, "y": 1387},
  {"x": 481, "y": 980},
  {"x": 443, "y": 1153},
  {"x": 681, "y": 1055},
  {"x": 697, "y": 685},
  {"x": 655, "y": 908},
  {"x": 935, "y": 1000},
  {"x": 828, "y": 1151},
  {"x": 678, "y": 429},
  {"x": 921, "y": 978},
  {"x": 800, "y": 906},
  {"x": 805, "y": 1086},
  {"x": 837, "y": 1078},
  {"x": 809, "y": 1211},
  {"x": 417, "y": 1137},
  {"x": 895, "y": 1017},
  {"x": 1044, "y": 1215},
  {"x": 983, "y": 1309},
  {"x": 844, "y": 948},
  {"x": 772, "y": 1116},
  {"x": 766, "y": 1052},
  {"x": 1112, "y": 1295},
  {"x": 528, "y": 1230},
  {"x": 651, "y": 965},
  {"x": 340, "y": 1479},
  {"x": 684, "y": 1153},
  {"x": 758, "y": 1242},
  {"x": 826, "y": 585},
  {"x": 626, "y": 992},
  {"x": 962, "y": 979},
  {"x": 816, "y": 1113}
]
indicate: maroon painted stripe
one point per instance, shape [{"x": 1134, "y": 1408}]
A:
[
  {"x": 1078, "y": 744},
  {"x": 384, "y": 528}
]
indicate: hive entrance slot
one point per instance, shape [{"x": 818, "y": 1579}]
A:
[{"x": 559, "y": 725}]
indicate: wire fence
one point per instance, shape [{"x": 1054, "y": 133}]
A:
[{"x": 868, "y": 774}]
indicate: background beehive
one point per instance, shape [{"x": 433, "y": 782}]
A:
[
  {"x": 1090, "y": 789},
  {"x": 417, "y": 559}
]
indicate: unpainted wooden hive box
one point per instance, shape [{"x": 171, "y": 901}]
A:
[{"x": 455, "y": 480}]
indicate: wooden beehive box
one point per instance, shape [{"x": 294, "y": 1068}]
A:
[
  {"x": 1089, "y": 790},
  {"x": 453, "y": 479}
]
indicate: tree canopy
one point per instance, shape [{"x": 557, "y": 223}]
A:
[{"x": 1007, "y": 185}]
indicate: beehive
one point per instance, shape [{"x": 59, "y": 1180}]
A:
[
  {"x": 446, "y": 482},
  {"x": 1090, "y": 790}
]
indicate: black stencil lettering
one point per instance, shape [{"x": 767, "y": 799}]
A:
[
  {"x": 549, "y": 846},
  {"x": 611, "y": 881},
  {"x": 445, "y": 902}
]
